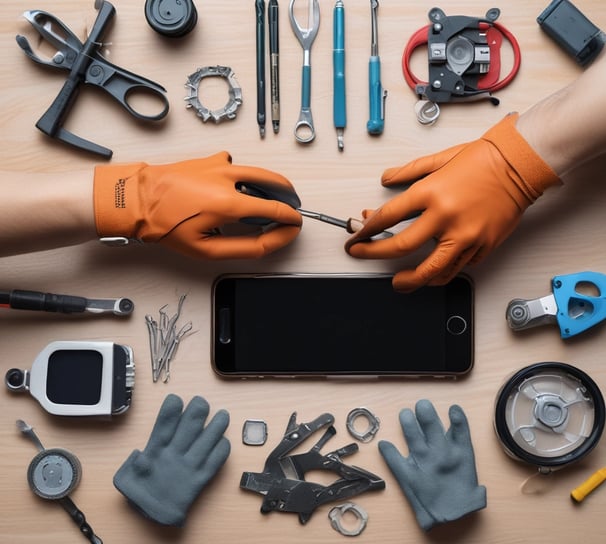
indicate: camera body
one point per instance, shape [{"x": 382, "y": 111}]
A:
[{"x": 79, "y": 378}]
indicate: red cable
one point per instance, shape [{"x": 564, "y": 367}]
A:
[{"x": 420, "y": 38}]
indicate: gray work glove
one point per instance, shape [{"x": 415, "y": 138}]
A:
[
  {"x": 180, "y": 458},
  {"x": 439, "y": 475}
]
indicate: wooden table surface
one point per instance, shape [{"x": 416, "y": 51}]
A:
[{"x": 562, "y": 233}]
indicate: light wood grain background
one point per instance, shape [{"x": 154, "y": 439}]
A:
[{"x": 563, "y": 233}]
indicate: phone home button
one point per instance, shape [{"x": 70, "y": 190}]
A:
[{"x": 456, "y": 325}]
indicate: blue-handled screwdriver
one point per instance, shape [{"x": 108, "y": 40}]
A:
[
  {"x": 377, "y": 94},
  {"x": 338, "y": 62}
]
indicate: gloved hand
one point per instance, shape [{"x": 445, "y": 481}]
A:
[
  {"x": 184, "y": 205},
  {"x": 180, "y": 458},
  {"x": 471, "y": 197},
  {"x": 439, "y": 475}
]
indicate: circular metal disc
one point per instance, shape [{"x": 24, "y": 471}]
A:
[{"x": 53, "y": 473}]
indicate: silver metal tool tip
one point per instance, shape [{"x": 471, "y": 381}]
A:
[
  {"x": 340, "y": 142},
  {"x": 262, "y": 132}
]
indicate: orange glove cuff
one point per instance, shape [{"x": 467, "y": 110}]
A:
[
  {"x": 535, "y": 175},
  {"x": 115, "y": 201}
]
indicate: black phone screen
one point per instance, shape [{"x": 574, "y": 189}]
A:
[{"x": 344, "y": 325}]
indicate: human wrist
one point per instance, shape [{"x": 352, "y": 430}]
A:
[
  {"x": 530, "y": 173},
  {"x": 116, "y": 199}
]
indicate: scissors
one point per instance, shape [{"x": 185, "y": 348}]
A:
[{"x": 85, "y": 65}]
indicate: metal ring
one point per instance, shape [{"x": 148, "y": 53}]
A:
[
  {"x": 235, "y": 93},
  {"x": 373, "y": 424},
  {"x": 427, "y": 112},
  {"x": 336, "y": 515}
]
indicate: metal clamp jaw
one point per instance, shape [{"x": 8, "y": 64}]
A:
[{"x": 572, "y": 309}]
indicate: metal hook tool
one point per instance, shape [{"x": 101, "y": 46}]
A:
[{"x": 304, "y": 129}]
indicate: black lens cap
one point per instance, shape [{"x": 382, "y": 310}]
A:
[{"x": 172, "y": 18}]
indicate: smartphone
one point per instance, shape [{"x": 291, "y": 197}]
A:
[{"x": 303, "y": 325}]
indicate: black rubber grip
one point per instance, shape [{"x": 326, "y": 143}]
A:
[{"x": 47, "y": 302}]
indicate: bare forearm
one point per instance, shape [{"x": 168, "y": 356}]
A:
[
  {"x": 569, "y": 127},
  {"x": 44, "y": 211}
]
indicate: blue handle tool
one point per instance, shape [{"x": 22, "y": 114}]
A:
[
  {"x": 338, "y": 62},
  {"x": 377, "y": 94},
  {"x": 578, "y": 302}
]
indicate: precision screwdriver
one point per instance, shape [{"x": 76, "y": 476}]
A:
[
  {"x": 338, "y": 61},
  {"x": 377, "y": 94}
]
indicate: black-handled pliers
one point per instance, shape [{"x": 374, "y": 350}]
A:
[{"x": 85, "y": 65}]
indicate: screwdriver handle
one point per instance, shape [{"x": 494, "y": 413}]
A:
[
  {"x": 377, "y": 95},
  {"x": 47, "y": 302},
  {"x": 338, "y": 57},
  {"x": 589, "y": 485}
]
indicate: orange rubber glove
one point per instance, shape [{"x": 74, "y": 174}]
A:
[
  {"x": 186, "y": 205},
  {"x": 471, "y": 197}
]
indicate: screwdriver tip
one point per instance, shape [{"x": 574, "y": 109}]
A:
[
  {"x": 276, "y": 127},
  {"x": 262, "y": 131},
  {"x": 340, "y": 142}
]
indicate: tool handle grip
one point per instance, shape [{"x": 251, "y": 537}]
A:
[
  {"x": 306, "y": 87},
  {"x": 47, "y": 302},
  {"x": 593, "y": 482},
  {"x": 376, "y": 121},
  {"x": 80, "y": 519},
  {"x": 339, "y": 110}
]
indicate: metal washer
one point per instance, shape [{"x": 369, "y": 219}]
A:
[
  {"x": 336, "y": 515},
  {"x": 373, "y": 424}
]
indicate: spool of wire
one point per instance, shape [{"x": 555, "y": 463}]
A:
[{"x": 549, "y": 415}]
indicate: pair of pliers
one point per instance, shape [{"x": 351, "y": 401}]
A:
[
  {"x": 85, "y": 65},
  {"x": 572, "y": 309}
]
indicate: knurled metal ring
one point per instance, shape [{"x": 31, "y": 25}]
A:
[
  {"x": 373, "y": 424},
  {"x": 336, "y": 515},
  {"x": 235, "y": 93}
]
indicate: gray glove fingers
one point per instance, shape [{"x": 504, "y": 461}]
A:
[
  {"x": 213, "y": 462},
  {"x": 206, "y": 441},
  {"x": 412, "y": 432},
  {"x": 165, "y": 425},
  {"x": 430, "y": 424},
  {"x": 191, "y": 425},
  {"x": 459, "y": 427}
]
